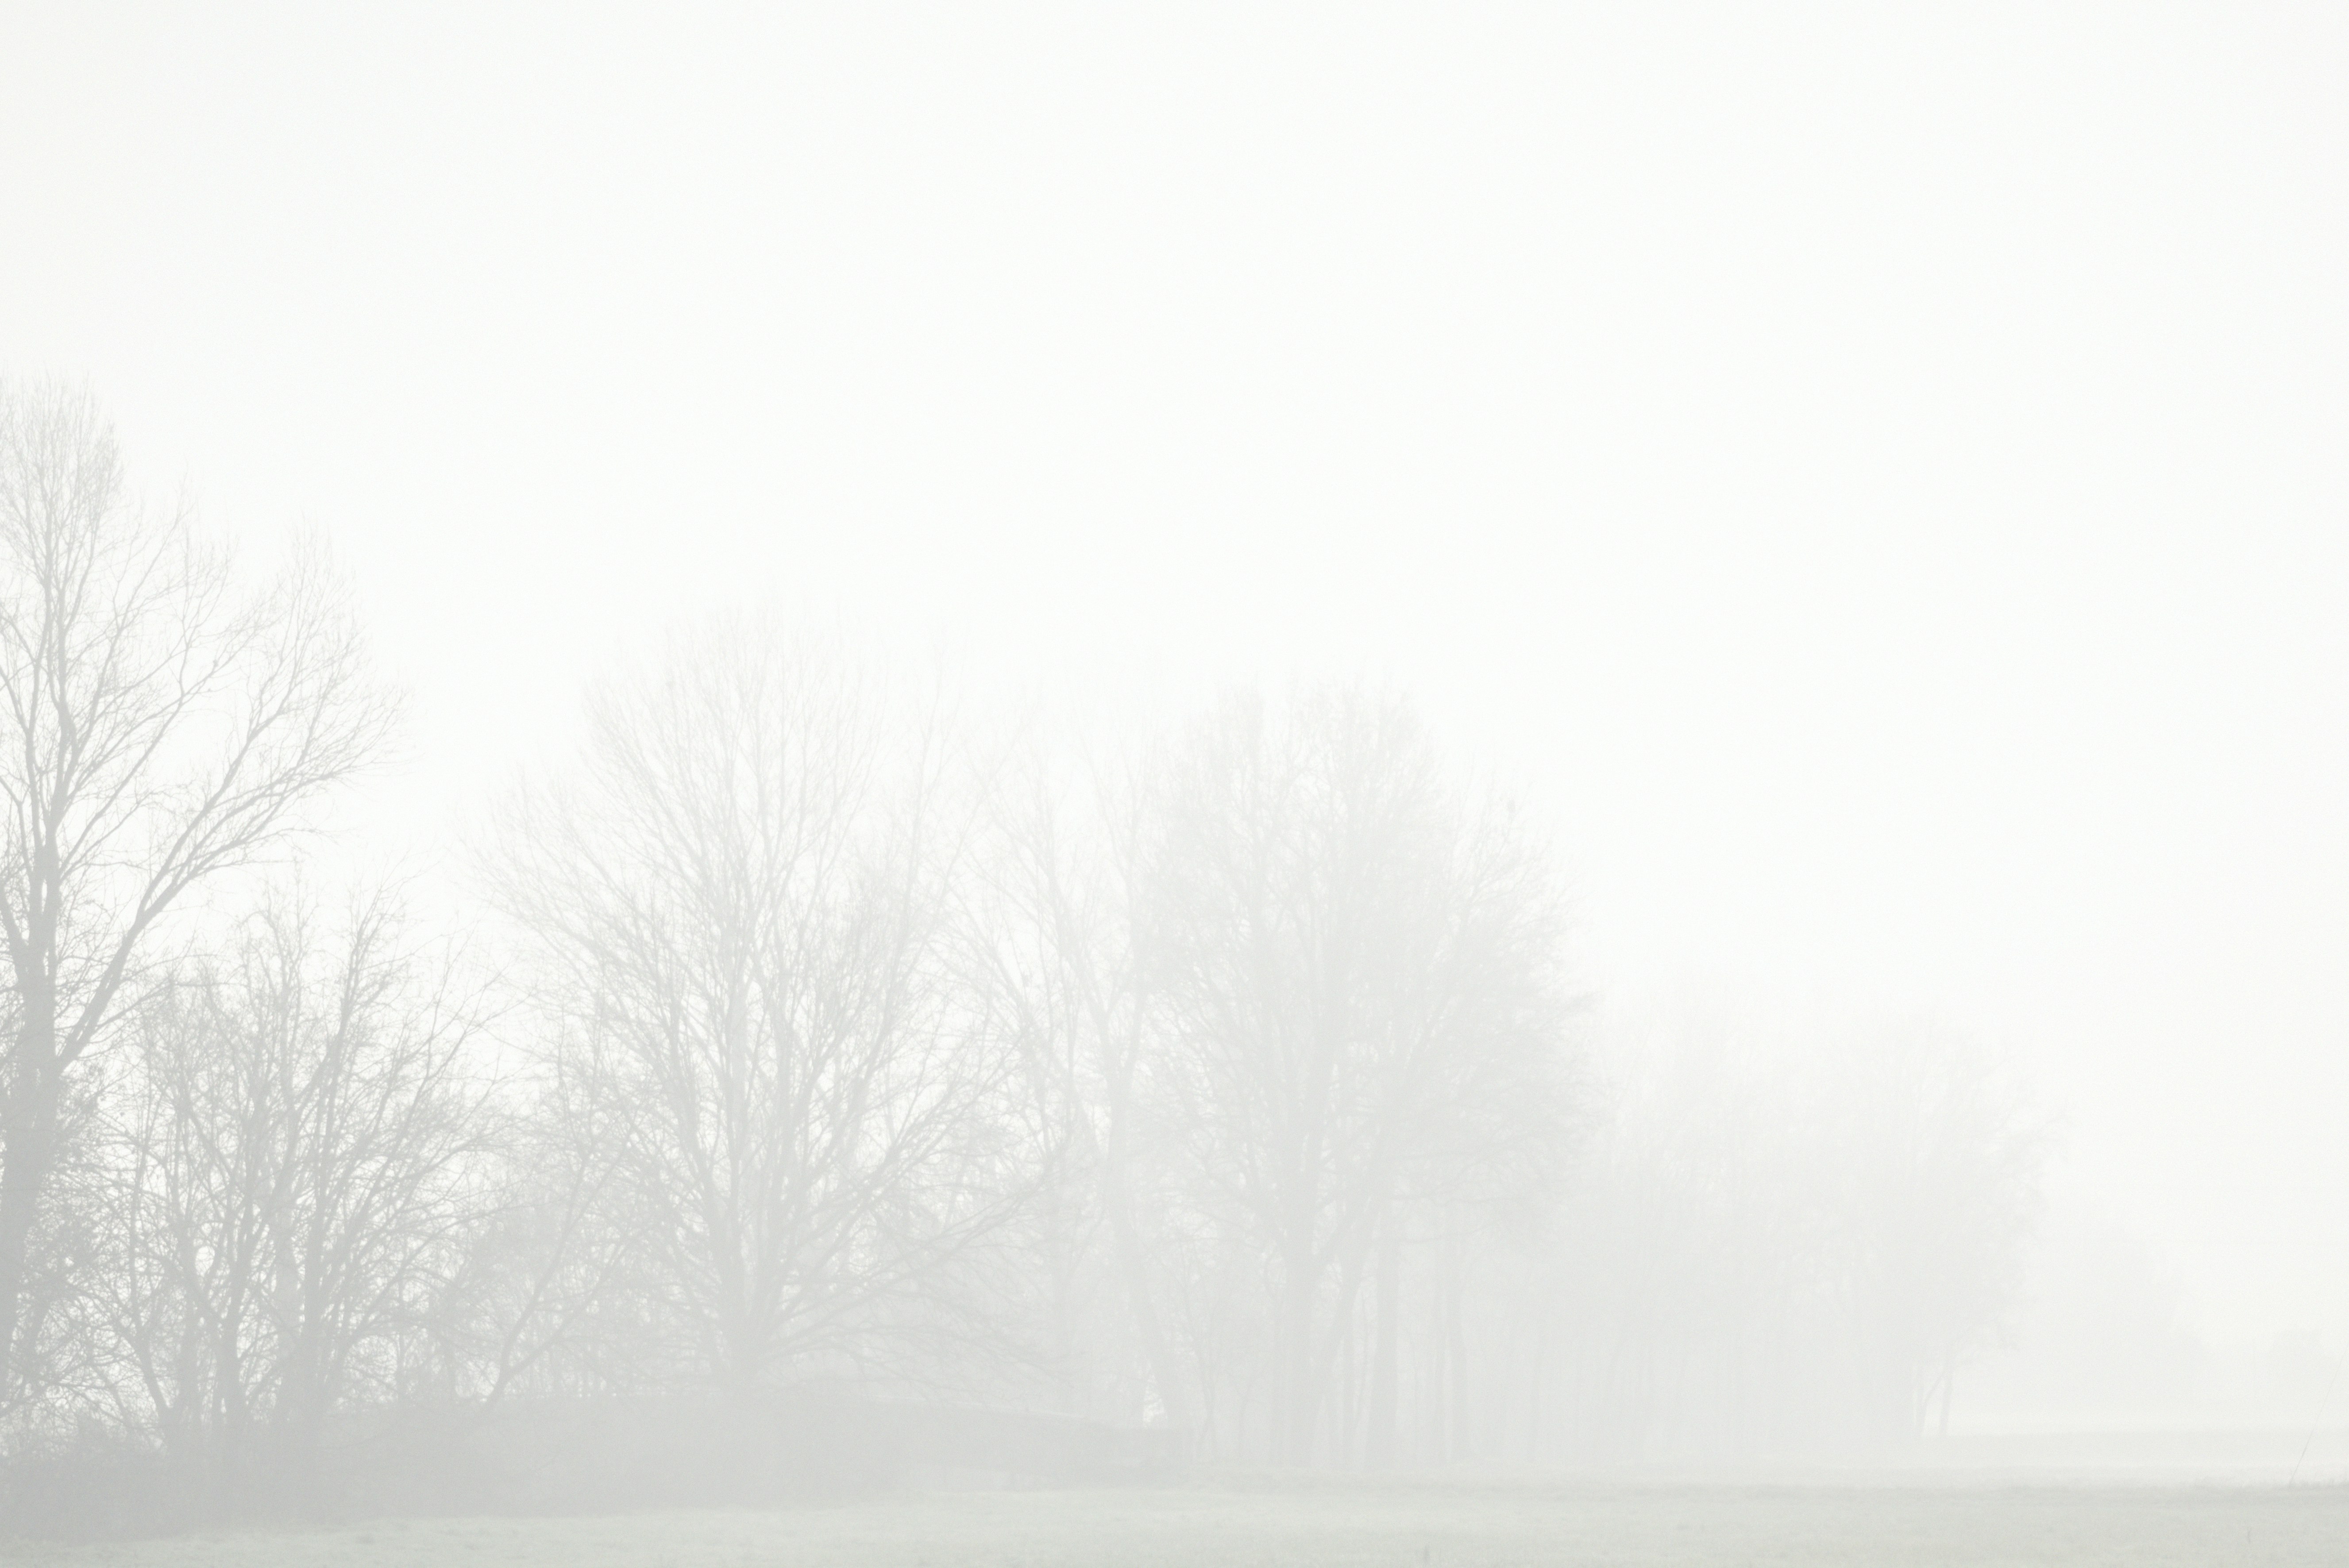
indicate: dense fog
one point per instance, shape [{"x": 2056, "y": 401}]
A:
[{"x": 748, "y": 756}]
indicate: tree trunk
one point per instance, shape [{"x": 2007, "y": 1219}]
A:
[
  {"x": 1460, "y": 1439},
  {"x": 1379, "y": 1446},
  {"x": 1171, "y": 1387},
  {"x": 1293, "y": 1417},
  {"x": 31, "y": 1135}
]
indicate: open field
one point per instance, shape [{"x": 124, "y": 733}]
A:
[{"x": 1412, "y": 1526}]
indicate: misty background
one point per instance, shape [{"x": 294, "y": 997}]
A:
[{"x": 1869, "y": 483}]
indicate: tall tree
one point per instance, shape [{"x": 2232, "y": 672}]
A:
[
  {"x": 743, "y": 897},
  {"x": 1356, "y": 977},
  {"x": 1052, "y": 937},
  {"x": 158, "y": 728},
  {"x": 295, "y": 1170}
]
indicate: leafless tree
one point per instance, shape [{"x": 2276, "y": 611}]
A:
[
  {"x": 741, "y": 896},
  {"x": 1356, "y": 975},
  {"x": 1936, "y": 1194},
  {"x": 297, "y": 1165},
  {"x": 1791, "y": 1237},
  {"x": 157, "y": 726},
  {"x": 1050, "y": 934}
]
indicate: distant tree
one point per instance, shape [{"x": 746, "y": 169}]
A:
[
  {"x": 158, "y": 728},
  {"x": 743, "y": 898},
  {"x": 1052, "y": 943},
  {"x": 1794, "y": 1234},
  {"x": 1355, "y": 978},
  {"x": 1940, "y": 1165}
]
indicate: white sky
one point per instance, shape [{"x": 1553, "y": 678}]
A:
[{"x": 1877, "y": 476}]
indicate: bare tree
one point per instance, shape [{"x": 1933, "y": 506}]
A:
[
  {"x": 157, "y": 729},
  {"x": 1792, "y": 1236},
  {"x": 1356, "y": 979},
  {"x": 741, "y": 897},
  {"x": 1051, "y": 937},
  {"x": 1938, "y": 1193},
  {"x": 297, "y": 1168}
]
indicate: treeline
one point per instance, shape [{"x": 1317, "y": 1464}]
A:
[{"x": 815, "y": 1036}]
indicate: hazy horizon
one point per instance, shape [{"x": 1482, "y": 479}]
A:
[{"x": 1869, "y": 481}]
